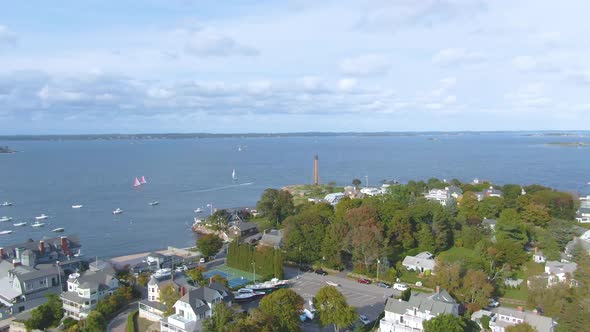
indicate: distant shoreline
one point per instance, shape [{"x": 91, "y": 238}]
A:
[
  {"x": 569, "y": 144},
  {"x": 148, "y": 136},
  {"x": 6, "y": 150}
]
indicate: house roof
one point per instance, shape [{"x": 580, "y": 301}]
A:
[
  {"x": 94, "y": 279},
  {"x": 154, "y": 304},
  {"x": 489, "y": 221},
  {"x": 435, "y": 303},
  {"x": 541, "y": 323},
  {"x": 420, "y": 262},
  {"x": 25, "y": 273},
  {"x": 559, "y": 267},
  {"x": 199, "y": 298},
  {"x": 244, "y": 226},
  {"x": 272, "y": 238}
]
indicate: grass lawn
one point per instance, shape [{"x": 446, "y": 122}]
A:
[
  {"x": 459, "y": 254},
  {"x": 520, "y": 293},
  {"x": 143, "y": 324}
]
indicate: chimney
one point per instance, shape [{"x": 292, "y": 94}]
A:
[
  {"x": 64, "y": 245},
  {"x": 2, "y": 252},
  {"x": 18, "y": 253},
  {"x": 16, "y": 263},
  {"x": 42, "y": 247},
  {"x": 182, "y": 291},
  {"x": 437, "y": 289}
]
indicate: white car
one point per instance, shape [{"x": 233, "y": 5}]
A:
[
  {"x": 493, "y": 303},
  {"x": 364, "y": 319},
  {"x": 400, "y": 287}
]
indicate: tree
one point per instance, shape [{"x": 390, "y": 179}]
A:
[
  {"x": 365, "y": 237},
  {"x": 522, "y": 327},
  {"x": 468, "y": 207},
  {"x": 332, "y": 308},
  {"x": 356, "y": 183},
  {"x": 509, "y": 226},
  {"x": 143, "y": 279},
  {"x": 535, "y": 214},
  {"x": 220, "y": 320},
  {"x": 209, "y": 244},
  {"x": 169, "y": 295},
  {"x": 95, "y": 322},
  {"x": 476, "y": 290},
  {"x": 284, "y": 306},
  {"x": 196, "y": 275},
  {"x": 444, "y": 323},
  {"x": 46, "y": 315},
  {"x": 276, "y": 205},
  {"x": 490, "y": 207},
  {"x": 448, "y": 276},
  {"x": 425, "y": 238}
]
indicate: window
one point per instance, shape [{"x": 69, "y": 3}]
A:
[{"x": 401, "y": 319}]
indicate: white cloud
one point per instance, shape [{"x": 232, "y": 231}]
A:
[
  {"x": 524, "y": 62},
  {"x": 347, "y": 84},
  {"x": 529, "y": 97},
  {"x": 457, "y": 57},
  {"x": 160, "y": 93},
  {"x": 365, "y": 65},
  {"x": 208, "y": 43},
  {"x": 450, "y": 99}
]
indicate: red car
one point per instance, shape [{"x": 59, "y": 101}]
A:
[{"x": 364, "y": 281}]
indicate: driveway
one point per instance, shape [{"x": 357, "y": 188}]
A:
[{"x": 119, "y": 323}]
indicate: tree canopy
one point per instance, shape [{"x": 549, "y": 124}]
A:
[
  {"x": 444, "y": 323},
  {"x": 284, "y": 306},
  {"x": 332, "y": 308}
]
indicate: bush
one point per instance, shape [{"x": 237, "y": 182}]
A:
[{"x": 131, "y": 321}]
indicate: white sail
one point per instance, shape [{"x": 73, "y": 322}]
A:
[{"x": 233, "y": 174}]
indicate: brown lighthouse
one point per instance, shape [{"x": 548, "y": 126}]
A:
[{"x": 316, "y": 170}]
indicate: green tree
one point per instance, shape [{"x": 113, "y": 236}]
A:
[
  {"x": 196, "y": 275},
  {"x": 425, "y": 238},
  {"x": 490, "y": 207},
  {"x": 522, "y": 327},
  {"x": 509, "y": 226},
  {"x": 276, "y": 205},
  {"x": 511, "y": 192},
  {"x": 448, "y": 276},
  {"x": 95, "y": 322},
  {"x": 221, "y": 319},
  {"x": 169, "y": 295},
  {"x": 535, "y": 214},
  {"x": 356, "y": 183},
  {"x": 143, "y": 279},
  {"x": 46, "y": 315},
  {"x": 209, "y": 244},
  {"x": 284, "y": 306},
  {"x": 476, "y": 290},
  {"x": 332, "y": 308},
  {"x": 444, "y": 323},
  {"x": 468, "y": 208}
]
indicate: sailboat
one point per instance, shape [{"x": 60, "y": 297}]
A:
[
  {"x": 233, "y": 175},
  {"x": 136, "y": 183},
  {"x": 143, "y": 181}
]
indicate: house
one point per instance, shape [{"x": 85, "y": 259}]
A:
[
  {"x": 505, "y": 317},
  {"x": 194, "y": 306},
  {"x": 583, "y": 241},
  {"x": 583, "y": 214},
  {"x": 242, "y": 229},
  {"x": 151, "y": 308},
  {"x": 443, "y": 196},
  {"x": 334, "y": 198},
  {"x": 23, "y": 287},
  {"x": 85, "y": 290},
  {"x": 491, "y": 192},
  {"x": 402, "y": 316},
  {"x": 489, "y": 223},
  {"x": 558, "y": 272},
  {"x": 422, "y": 262},
  {"x": 371, "y": 191},
  {"x": 272, "y": 238},
  {"x": 538, "y": 256},
  {"x": 65, "y": 249}
]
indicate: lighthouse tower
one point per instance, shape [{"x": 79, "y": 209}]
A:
[{"x": 316, "y": 170}]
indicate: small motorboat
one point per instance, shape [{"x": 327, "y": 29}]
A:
[
  {"x": 5, "y": 218},
  {"x": 18, "y": 224},
  {"x": 154, "y": 203},
  {"x": 38, "y": 224},
  {"x": 6, "y": 204},
  {"x": 77, "y": 206},
  {"x": 198, "y": 210},
  {"x": 42, "y": 217},
  {"x": 58, "y": 230},
  {"x": 5, "y": 232},
  {"x": 117, "y": 211},
  {"x": 246, "y": 295}
]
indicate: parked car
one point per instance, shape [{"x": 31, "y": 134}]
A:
[
  {"x": 364, "y": 281},
  {"x": 400, "y": 286},
  {"x": 321, "y": 272},
  {"x": 383, "y": 285},
  {"x": 493, "y": 303},
  {"x": 364, "y": 319}
]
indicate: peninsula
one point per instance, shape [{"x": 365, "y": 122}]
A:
[{"x": 5, "y": 149}]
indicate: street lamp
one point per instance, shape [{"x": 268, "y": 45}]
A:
[
  {"x": 299, "y": 259},
  {"x": 59, "y": 276},
  {"x": 378, "y": 262}
]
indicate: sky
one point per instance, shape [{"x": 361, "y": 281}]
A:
[{"x": 244, "y": 66}]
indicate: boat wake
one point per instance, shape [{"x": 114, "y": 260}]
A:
[{"x": 217, "y": 188}]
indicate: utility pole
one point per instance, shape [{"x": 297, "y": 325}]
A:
[
  {"x": 378, "y": 262},
  {"x": 300, "y": 260},
  {"x": 59, "y": 276},
  {"x": 254, "y": 271}
]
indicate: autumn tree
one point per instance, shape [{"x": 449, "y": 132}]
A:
[
  {"x": 332, "y": 308},
  {"x": 447, "y": 276},
  {"x": 365, "y": 236},
  {"x": 521, "y": 327},
  {"x": 535, "y": 214},
  {"x": 169, "y": 295},
  {"x": 476, "y": 290}
]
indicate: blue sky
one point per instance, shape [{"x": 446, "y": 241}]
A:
[{"x": 284, "y": 66}]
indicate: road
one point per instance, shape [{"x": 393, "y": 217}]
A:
[{"x": 119, "y": 323}]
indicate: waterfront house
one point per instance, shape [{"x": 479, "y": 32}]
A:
[
  {"x": 272, "y": 238},
  {"x": 504, "y": 317},
  {"x": 404, "y": 316},
  {"x": 65, "y": 249},
  {"x": 242, "y": 229},
  {"x": 443, "y": 196},
  {"x": 422, "y": 262},
  {"x": 24, "y": 287},
  {"x": 371, "y": 191},
  {"x": 491, "y": 192},
  {"x": 194, "y": 306},
  {"x": 151, "y": 308},
  {"x": 334, "y": 198},
  {"x": 85, "y": 290}
]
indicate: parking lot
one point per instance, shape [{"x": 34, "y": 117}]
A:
[{"x": 369, "y": 300}]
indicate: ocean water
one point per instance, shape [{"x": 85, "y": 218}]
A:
[{"x": 50, "y": 176}]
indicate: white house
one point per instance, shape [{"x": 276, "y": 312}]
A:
[
  {"x": 539, "y": 257},
  {"x": 85, "y": 290},
  {"x": 491, "y": 192},
  {"x": 444, "y": 195},
  {"x": 583, "y": 214},
  {"x": 402, "y": 316},
  {"x": 559, "y": 272},
  {"x": 194, "y": 306},
  {"x": 422, "y": 262},
  {"x": 334, "y": 198},
  {"x": 371, "y": 191},
  {"x": 505, "y": 317}
]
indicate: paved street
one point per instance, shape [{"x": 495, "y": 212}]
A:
[
  {"x": 119, "y": 323},
  {"x": 368, "y": 299}
]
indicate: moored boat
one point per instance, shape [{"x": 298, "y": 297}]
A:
[
  {"x": 6, "y": 204},
  {"x": 154, "y": 203},
  {"x": 246, "y": 294},
  {"x": 58, "y": 230},
  {"x": 117, "y": 211},
  {"x": 269, "y": 286},
  {"x": 5, "y": 232},
  {"x": 198, "y": 210},
  {"x": 5, "y": 218},
  {"x": 77, "y": 206},
  {"x": 162, "y": 273},
  {"x": 18, "y": 224},
  {"x": 42, "y": 217},
  {"x": 38, "y": 224}
]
